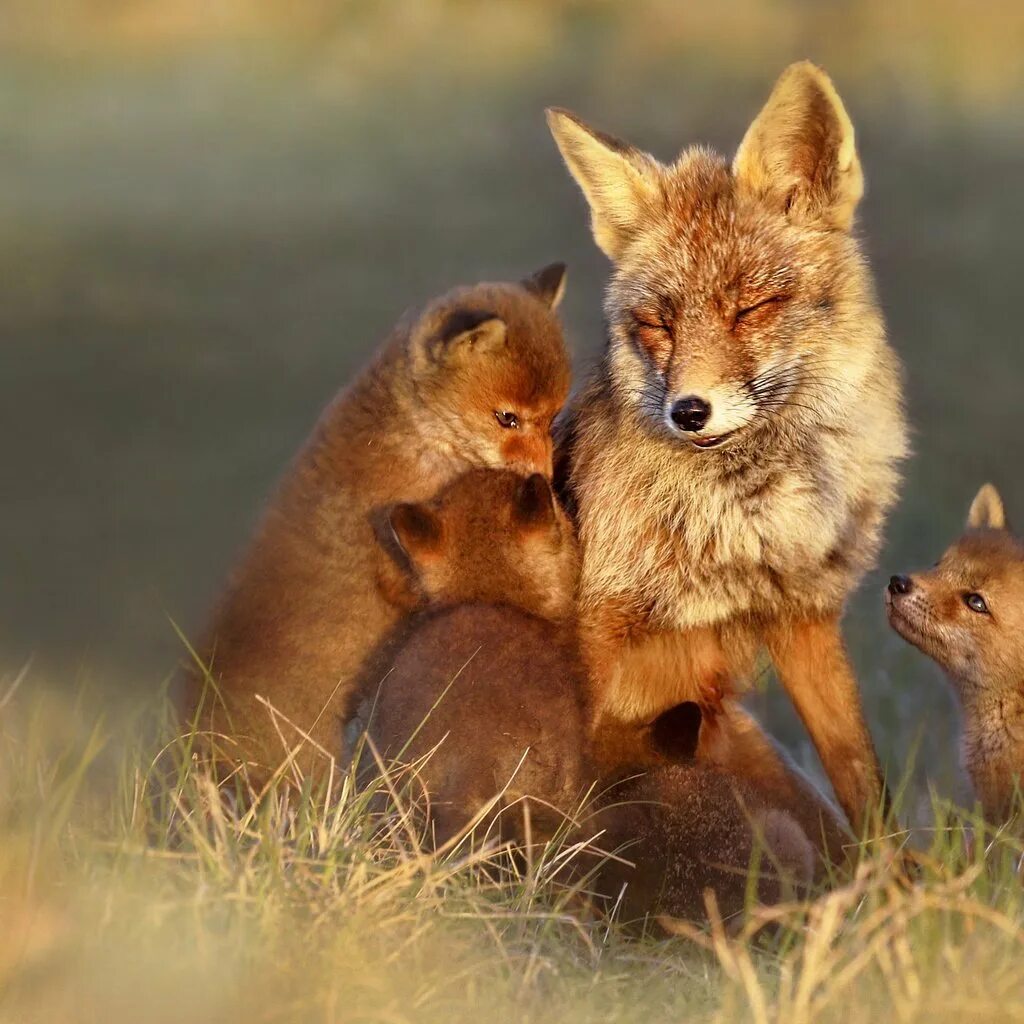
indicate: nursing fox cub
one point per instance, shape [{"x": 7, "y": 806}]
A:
[
  {"x": 481, "y": 690},
  {"x": 681, "y": 830},
  {"x": 474, "y": 380},
  {"x": 968, "y": 614},
  {"x": 731, "y": 462}
]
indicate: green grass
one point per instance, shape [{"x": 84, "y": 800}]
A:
[{"x": 133, "y": 888}]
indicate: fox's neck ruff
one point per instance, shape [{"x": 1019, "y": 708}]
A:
[{"x": 783, "y": 518}]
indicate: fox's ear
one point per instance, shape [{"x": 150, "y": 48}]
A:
[
  {"x": 547, "y": 284},
  {"x": 800, "y": 154},
  {"x": 620, "y": 183},
  {"x": 535, "y": 504},
  {"x": 987, "y": 510},
  {"x": 466, "y": 330},
  {"x": 417, "y": 531}
]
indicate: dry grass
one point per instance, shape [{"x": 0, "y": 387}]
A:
[{"x": 130, "y": 893}]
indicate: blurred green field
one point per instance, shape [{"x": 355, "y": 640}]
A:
[{"x": 209, "y": 215}]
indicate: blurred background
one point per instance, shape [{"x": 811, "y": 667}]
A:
[{"x": 212, "y": 210}]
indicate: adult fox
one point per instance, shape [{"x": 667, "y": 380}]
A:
[{"x": 734, "y": 456}]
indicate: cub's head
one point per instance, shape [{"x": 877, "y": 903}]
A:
[
  {"x": 967, "y": 612},
  {"x": 728, "y": 278},
  {"x": 490, "y": 371},
  {"x": 490, "y": 537}
]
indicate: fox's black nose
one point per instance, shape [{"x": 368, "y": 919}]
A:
[
  {"x": 900, "y": 585},
  {"x": 690, "y": 413}
]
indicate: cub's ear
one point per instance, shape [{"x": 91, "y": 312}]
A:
[
  {"x": 547, "y": 284},
  {"x": 417, "y": 531},
  {"x": 621, "y": 184},
  {"x": 987, "y": 510},
  {"x": 466, "y": 330},
  {"x": 800, "y": 155},
  {"x": 534, "y": 504}
]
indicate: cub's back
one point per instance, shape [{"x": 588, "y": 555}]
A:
[
  {"x": 680, "y": 830},
  {"x": 497, "y": 692}
]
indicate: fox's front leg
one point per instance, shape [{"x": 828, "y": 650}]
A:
[
  {"x": 636, "y": 673},
  {"x": 812, "y": 664}
]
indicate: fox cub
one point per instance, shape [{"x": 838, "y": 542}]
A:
[
  {"x": 683, "y": 829},
  {"x": 733, "y": 459},
  {"x": 480, "y": 691},
  {"x": 968, "y": 614},
  {"x": 474, "y": 380}
]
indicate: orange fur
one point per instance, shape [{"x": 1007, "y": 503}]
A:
[
  {"x": 980, "y": 647},
  {"x": 482, "y": 690},
  {"x": 731, "y": 463},
  {"x": 312, "y": 597}
]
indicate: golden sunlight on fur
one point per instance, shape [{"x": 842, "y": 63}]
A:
[
  {"x": 474, "y": 380},
  {"x": 731, "y": 461},
  {"x": 968, "y": 614}
]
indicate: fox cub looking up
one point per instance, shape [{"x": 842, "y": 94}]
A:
[
  {"x": 488, "y": 672},
  {"x": 473, "y": 380},
  {"x": 733, "y": 459},
  {"x": 968, "y": 614}
]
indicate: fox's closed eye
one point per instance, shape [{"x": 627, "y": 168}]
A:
[
  {"x": 650, "y": 321},
  {"x": 761, "y": 306},
  {"x": 507, "y": 419},
  {"x": 653, "y": 333},
  {"x": 976, "y": 603}
]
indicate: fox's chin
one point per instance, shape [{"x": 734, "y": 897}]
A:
[{"x": 906, "y": 628}]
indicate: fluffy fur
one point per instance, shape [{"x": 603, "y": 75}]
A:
[
  {"x": 307, "y": 602},
  {"x": 738, "y": 286},
  {"x": 482, "y": 690},
  {"x": 980, "y": 643},
  {"x": 681, "y": 830}
]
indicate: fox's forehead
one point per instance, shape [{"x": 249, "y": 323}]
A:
[
  {"x": 526, "y": 383},
  {"x": 710, "y": 239},
  {"x": 984, "y": 558}
]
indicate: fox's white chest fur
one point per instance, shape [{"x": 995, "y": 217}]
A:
[{"x": 695, "y": 542}]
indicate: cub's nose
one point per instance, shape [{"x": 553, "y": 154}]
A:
[
  {"x": 900, "y": 585},
  {"x": 690, "y": 413}
]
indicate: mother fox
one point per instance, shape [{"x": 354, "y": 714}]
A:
[{"x": 733, "y": 459}]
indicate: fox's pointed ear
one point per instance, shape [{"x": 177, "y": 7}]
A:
[
  {"x": 547, "y": 284},
  {"x": 620, "y": 183},
  {"x": 417, "y": 531},
  {"x": 987, "y": 512},
  {"x": 800, "y": 154},
  {"x": 535, "y": 504}
]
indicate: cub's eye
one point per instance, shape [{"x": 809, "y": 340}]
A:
[
  {"x": 976, "y": 603},
  {"x": 507, "y": 419}
]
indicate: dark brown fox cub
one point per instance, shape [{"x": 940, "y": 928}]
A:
[
  {"x": 474, "y": 380},
  {"x": 733, "y": 459},
  {"x": 484, "y": 685},
  {"x": 680, "y": 830},
  {"x": 968, "y": 614}
]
